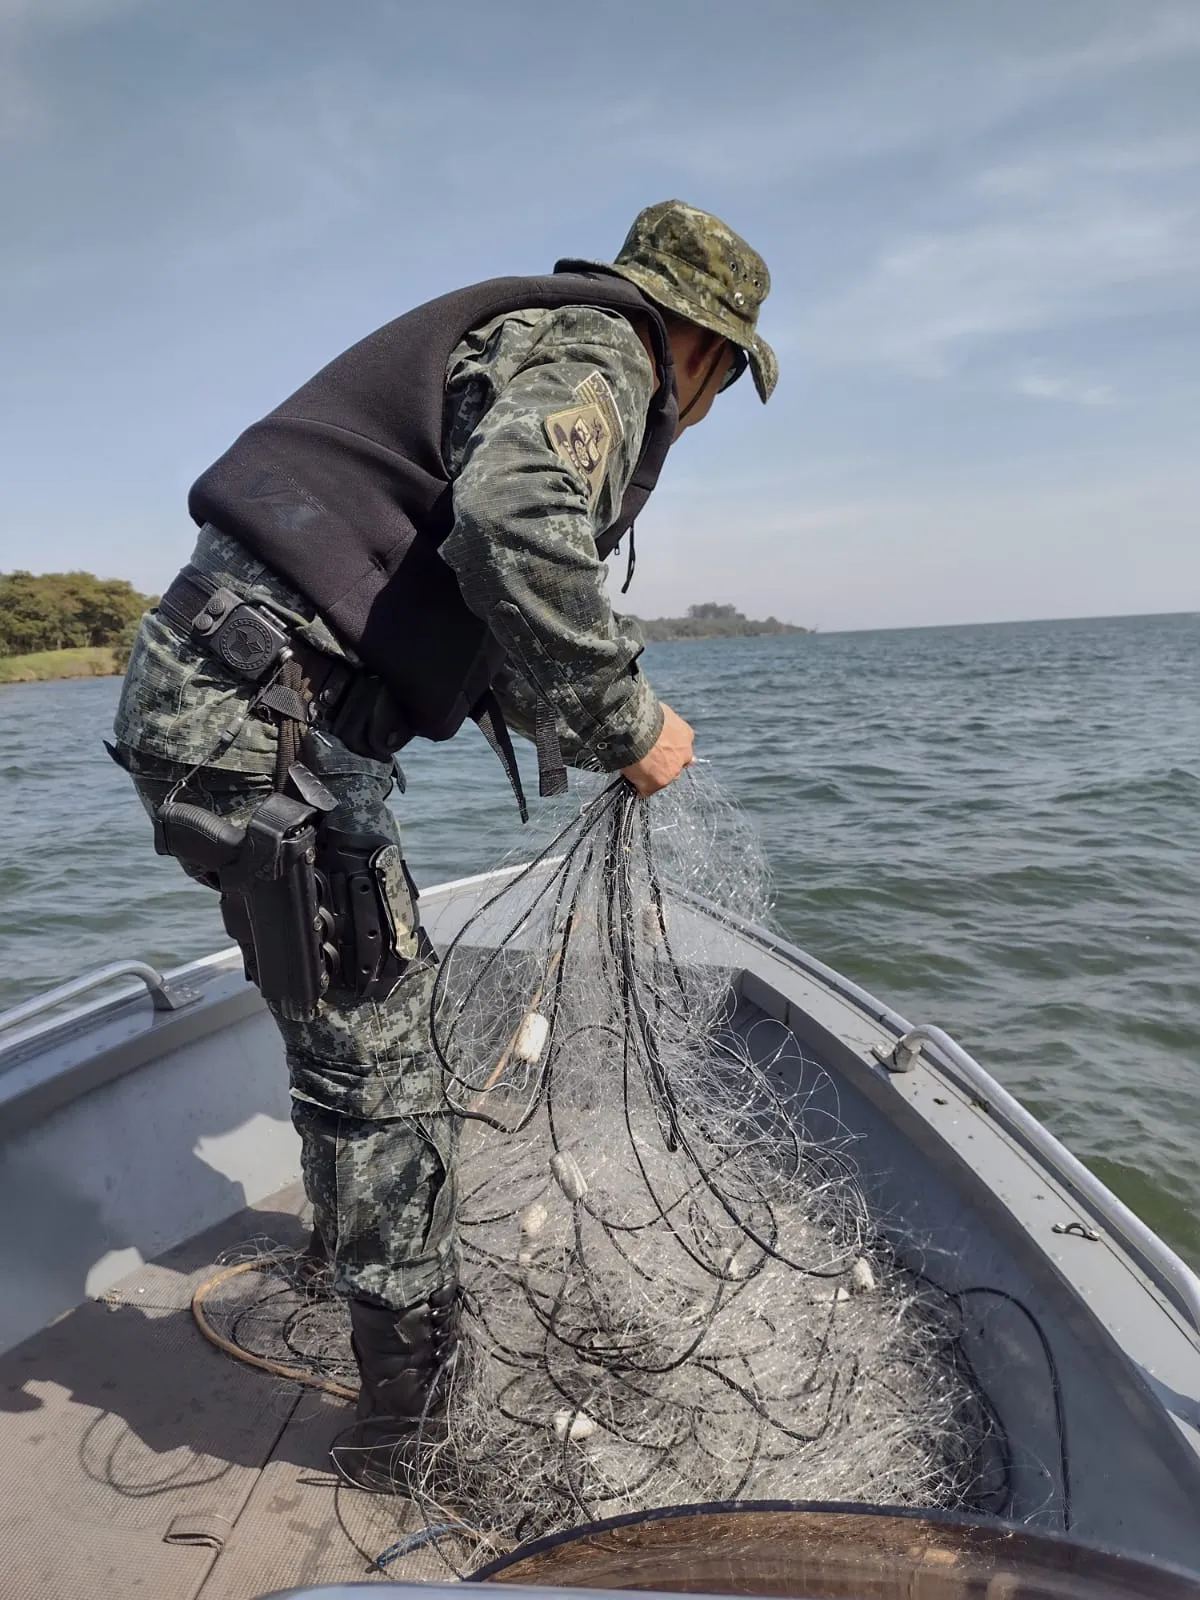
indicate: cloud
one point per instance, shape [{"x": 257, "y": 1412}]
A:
[
  {"x": 1046, "y": 238},
  {"x": 1072, "y": 237},
  {"x": 1147, "y": 158},
  {"x": 1144, "y": 35},
  {"x": 934, "y": 296},
  {"x": 1067, "y": 391},
  {"x": 906, "y": 96}
]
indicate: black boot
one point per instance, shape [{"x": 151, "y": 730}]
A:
[{"x": 404, "y": 1360}]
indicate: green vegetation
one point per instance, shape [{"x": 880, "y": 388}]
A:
[
  {"x": 64, "y": 611},
  {"x": 122, "y": 647},
  {"x": 42, "y": 666},
  {"x": 66, "y": 625},
  {"x": 75, "y": 625},
  {"x": 712, "y": 621}
]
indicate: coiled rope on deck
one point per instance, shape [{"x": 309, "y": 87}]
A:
[{"x": 276, "y": 1266}]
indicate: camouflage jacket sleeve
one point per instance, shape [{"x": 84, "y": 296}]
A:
[
  {"x": 519, "y": 703},
  {"x": 556, "y": 405}
]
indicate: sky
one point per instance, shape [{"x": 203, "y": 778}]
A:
[{"x": 981, "y": 217}]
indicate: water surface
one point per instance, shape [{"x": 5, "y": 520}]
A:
[{"x": 993, "y": 828}]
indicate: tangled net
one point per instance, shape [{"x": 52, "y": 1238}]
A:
[{"x": 674, "y": 1292}]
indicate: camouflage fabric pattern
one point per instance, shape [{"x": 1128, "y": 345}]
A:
[
  {"x": 377, "y": 1143},
  {"x": 694, "y": 264},
  {"x": 176, "y": 697},
  {"x": 519, "y": 703},
  {"x": 384, "y": 1201},
  {"x": 527, "y": 513}
]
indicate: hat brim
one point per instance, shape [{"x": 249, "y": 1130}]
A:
[{"x": 764, "y": 364}]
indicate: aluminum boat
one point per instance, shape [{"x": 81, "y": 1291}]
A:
[{"x": 144, "y": 1130}]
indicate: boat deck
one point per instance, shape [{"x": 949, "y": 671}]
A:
[{"x": 135, "y": 1458}]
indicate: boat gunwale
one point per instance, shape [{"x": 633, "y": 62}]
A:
[
  {"x": 33, "y": 1087},
  {"x": 845, "y": 1027},
  {"x": 943, "y": 1052}
]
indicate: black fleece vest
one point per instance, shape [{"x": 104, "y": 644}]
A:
[{"x": 342, "y": 490}]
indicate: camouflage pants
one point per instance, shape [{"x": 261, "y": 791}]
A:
[{"x": 378, "y": 1144}]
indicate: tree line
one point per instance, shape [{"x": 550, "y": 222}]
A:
[
  {"x": 66, "y": 611},
  {"x": 70, "y": 610},
  {"x": 712, "y": 621}
]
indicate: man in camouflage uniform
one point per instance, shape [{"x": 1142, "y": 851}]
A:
[{"x": 542, "y": 425}]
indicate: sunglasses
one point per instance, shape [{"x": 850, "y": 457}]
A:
[{"x": 739, "y": 364}]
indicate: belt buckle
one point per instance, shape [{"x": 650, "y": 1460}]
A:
[{"x": 240, "y": 635}]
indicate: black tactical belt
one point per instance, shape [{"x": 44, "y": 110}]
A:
[{"x": 354, "y": 705}]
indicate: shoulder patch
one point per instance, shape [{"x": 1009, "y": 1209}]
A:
[
  {"x": 594, "y": 391},
  {"x": 582, "y": 438}
]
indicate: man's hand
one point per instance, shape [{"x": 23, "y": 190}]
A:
[{"x": 671, "y": 753}]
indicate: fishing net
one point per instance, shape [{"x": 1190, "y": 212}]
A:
[{"x": 674, "y": 1291}]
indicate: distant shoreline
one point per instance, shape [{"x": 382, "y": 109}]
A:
[
  {"x": 54, "y": 666},
  {"x": 699, "y": 638},
  {"x": 712, "y": 622},
  {"x": 98, "y": 661}
]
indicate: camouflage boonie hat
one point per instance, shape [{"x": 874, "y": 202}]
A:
[{"x": 691, "y": 263}]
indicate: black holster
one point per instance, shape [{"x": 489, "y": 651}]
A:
[
  {"x": 310, "y": 905},
  {"x": 270, "y": 898},
  {"x": 362, "y": 876}
]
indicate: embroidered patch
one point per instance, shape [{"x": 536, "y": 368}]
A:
[
  {"x": 594, "y": 391},
  {"x": 582, "y": 438}
]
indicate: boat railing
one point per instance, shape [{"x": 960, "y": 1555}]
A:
[
  {"x": 902, "y": 1057},
  {"x": 899, "y": 1058},
  {"x": 1099, "y": 1198},
  {"x": 163, "y": 995}
]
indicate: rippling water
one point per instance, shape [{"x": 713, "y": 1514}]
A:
[{"x": 996, "y": 829}]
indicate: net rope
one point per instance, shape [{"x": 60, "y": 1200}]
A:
[{"x": 674, "y": 1290}]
